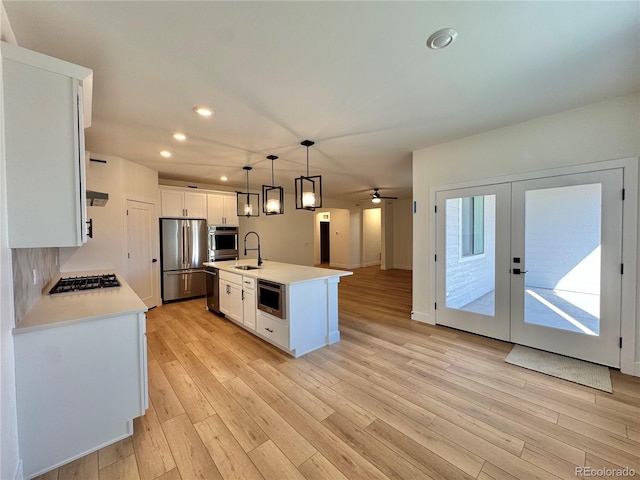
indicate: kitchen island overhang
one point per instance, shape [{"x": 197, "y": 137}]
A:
[{"x": 311, "y": 304}]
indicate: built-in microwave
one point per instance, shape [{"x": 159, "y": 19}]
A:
[
  {"x": 271, "y": 298},
  {"x": 223, "y": 243}
]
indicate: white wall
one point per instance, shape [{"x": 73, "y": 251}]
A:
[
  {"x": 284, "y": 238},
  {"x": 371, "y": 236},
  {"x": 602, "y": 131},
  {"x": 10, "y": 465},
  {"x": 119, "y": 178},
  {"x": 340, "y": 235},
  {"x": 402, "y": 234}
]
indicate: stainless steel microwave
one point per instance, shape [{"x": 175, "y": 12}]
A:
[{"x": 271, "y": 298}]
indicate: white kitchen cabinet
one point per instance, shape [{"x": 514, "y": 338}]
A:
[
  {"x": 47, "y": 105},
  {"x": 222, "y": 209},
  {"x": 273, "y": 329},
  {"x": 249, "y": 305},
  {"x": 79, "y": 386},
  {"x": 183, "y": 203},
  {"x": 231, "y": 303}
]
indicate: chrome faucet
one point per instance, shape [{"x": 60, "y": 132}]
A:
[{"x": 258, "y": 249}]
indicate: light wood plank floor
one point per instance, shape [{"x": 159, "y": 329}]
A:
[{"x": 394, "y": 399}]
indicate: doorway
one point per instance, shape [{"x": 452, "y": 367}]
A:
[
  {"x": 325, "y": 242},
  {"x": 535, "y": 262},
  {"x": 371, "y": 237}
]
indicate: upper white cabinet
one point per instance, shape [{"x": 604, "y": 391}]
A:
[
  {"x": 183, "y": 203},
  {"x": 222, "y": 209},
  {"x": 47, "y": 106}
]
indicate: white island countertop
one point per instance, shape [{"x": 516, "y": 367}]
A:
[
  {"x": 73, "y": 307},
  {"x": 285, "y": 273}
]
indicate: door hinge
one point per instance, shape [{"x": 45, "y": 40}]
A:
[
  {"x": 435, "y": 209},
  {"x": 127, "y": 211},
  {"x": 435, "y": 258},
  {"x": 623, "y": 193},
  {"x": 622, "y": 269},
  {"x": 128, "y": 255},
  {"x": 435, "y": 306},
  {"x": 620, "y": 342}
]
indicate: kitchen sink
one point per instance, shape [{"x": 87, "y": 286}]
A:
[{"x": 245, "y": 267}]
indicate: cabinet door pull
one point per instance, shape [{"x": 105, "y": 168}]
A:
[
  {"x": 90, "y": 228},
  {"x": 268, "y": 330}
]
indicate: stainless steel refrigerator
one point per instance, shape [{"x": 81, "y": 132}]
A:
[{"x": 183, "y": 243}]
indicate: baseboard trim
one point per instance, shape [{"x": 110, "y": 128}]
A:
[
  {"x": 637, "y": 370},
  {"x": 339, "y": 265},
  {"x": 371, "y": 264},
  {"x": 334, "y": 337},
  {"x": 422, "y": 317},
  {"x": 19, "y": 475}
]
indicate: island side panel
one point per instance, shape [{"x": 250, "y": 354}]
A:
[
  {"x": 308, "y": 316},
  {"x": 333, "y": 332}
]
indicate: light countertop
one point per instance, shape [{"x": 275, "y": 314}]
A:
[
  {"x": 73, "y": 307},
  {"x": 285, "y": 273}
]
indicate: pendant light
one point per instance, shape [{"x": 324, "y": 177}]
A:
[
  {"x": 308, "y": 189},
  {"x": 272, "y": 196},
  {"x": 248, "y": 204}
]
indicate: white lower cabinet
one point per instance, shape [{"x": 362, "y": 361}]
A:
[
  {"x": 79, "y": 387},
  {"x": 249, "y": 303},
  {"x": 230, "y": 287},
  {"x": 273, "y": 329}
]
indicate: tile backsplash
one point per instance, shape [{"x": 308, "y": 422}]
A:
[{"x": 25, "y": 260}]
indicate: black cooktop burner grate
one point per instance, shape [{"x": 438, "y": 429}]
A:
[{"x": 91, "y": 282}]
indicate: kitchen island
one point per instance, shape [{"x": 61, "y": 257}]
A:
[
  {"x": 309, "y": 302},
  {"x": 81, "y": 373}
]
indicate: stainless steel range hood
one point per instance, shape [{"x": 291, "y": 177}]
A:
[{"x": 96, "y": 199}]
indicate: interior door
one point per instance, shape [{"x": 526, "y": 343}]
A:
[
  {"x": 472, "y": 259},
  {"x": 141, "y": 270},
  {"x": 566, "y": 244}
]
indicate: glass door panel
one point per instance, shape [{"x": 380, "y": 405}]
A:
[
  {"x": 472, "y": 245},
  {"x": 563, "y": 241},
  {"x": 566, "y": 244}
]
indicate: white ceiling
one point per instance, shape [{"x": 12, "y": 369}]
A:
[{"x": 355, "y": 77}]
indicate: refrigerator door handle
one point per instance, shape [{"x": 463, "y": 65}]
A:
[
  {"x": 184, "y": 246},
  {"x": 189, "y": 240}
]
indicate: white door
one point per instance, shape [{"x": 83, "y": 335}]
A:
[
  {"x": 567, "y": 239},
  {"x": 472, "y": 260},
  {"x": 535, "y": 262},
  {"x": 141, "y": 258}
]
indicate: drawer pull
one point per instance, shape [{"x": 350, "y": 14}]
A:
[{"x": 268, "y": 330}]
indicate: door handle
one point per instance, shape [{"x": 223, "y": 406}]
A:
[
  {"x": 517, "y": 271},
  {"x": 154, "y": 260}
]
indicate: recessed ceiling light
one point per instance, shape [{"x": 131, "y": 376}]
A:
[
  {"x": 442, "y": 38},
  {"x": 204, "y": 111},
  {"x": 224, "y": 178},
  {"x": 165, "y": 153},
  {"x": 179, "y": 136}
]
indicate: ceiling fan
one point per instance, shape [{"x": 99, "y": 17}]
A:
[{"x": 377, "y": 198}]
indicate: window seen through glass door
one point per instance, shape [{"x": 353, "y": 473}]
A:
[{"x": 470, "y": 253}]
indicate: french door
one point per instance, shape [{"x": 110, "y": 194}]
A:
[{"x": 535, "y": 262}]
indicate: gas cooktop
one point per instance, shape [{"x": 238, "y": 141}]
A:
[{"x": 90, "y": 282}]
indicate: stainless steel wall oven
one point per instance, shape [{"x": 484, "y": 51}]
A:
[{"x": 223, "y": 243}]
